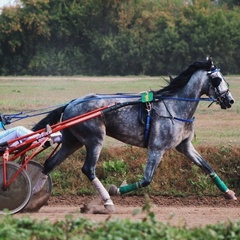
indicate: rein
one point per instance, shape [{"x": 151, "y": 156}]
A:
[
  {"x": 130, "y": 95},
  {"x": 146, "y": 97},
  {"x": 6, "y": 119},
  {"x": 186, "y": 99}
]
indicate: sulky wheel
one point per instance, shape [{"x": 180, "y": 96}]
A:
[
  {"x": 18, "y": 194},
  {"x": 34, "y": 170}
]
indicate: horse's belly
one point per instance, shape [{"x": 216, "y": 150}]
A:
[
  {"x": 130, "y": 132},
  {"x": 135, "y": 140}
]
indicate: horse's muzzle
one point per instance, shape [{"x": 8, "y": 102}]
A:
[{"x": 226, "y": 100}]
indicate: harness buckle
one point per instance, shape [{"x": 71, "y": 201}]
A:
[{"x": 148, "y": 107}]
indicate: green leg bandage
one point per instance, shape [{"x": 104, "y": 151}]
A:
[
  {"x": 219, "y": 183},
  {"x": 129, "y": 188}
]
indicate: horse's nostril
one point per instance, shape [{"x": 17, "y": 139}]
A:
[{"x": 232, "y": 101}]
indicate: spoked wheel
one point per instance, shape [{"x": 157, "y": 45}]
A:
[
  {"x": 18, "y": 194},
  {"x": 38, "y": 200}
]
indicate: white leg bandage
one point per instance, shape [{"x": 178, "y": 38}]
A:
[
  {"x": 101, "y": 189},
  {"x": 40, "y": 183}
]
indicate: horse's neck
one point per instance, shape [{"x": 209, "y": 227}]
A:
[{"x": 194, "y": 89}]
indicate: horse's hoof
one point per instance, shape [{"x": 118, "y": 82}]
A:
[
  {"x": 40, "y": 183},
  {"x": 109, "y": 205},
  {"x": 113, "y": 191},
  {"x": 37, "y": 201},
  {"x": 230, "y": 195}
]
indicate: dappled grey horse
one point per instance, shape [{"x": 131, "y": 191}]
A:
[{"x": 159, "y": 120}]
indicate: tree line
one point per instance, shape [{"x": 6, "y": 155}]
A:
[{"x": 118, "y": 37}]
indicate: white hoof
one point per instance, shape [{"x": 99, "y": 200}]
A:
[
  {"x": 109, "y": 205},
  {"x": 230, "y": 195}
]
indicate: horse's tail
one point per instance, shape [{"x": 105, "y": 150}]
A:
[{"x": 52, "y": 118}]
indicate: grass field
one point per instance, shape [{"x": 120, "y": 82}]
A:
[{"x": 212, "y": 126}]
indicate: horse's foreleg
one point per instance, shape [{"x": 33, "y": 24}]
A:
[
  {"x": 188, "y": 150},
  {"x": 154, "y": 158}
]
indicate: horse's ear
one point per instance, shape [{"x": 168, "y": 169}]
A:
[
  {"x": 210, "y": 62},
  {"x": 209, "y": 59}
]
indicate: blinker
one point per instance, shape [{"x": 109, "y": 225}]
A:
[{"x": 216, "y": 81}]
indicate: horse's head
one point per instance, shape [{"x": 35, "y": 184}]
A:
[{"x": 218, "y": 89}]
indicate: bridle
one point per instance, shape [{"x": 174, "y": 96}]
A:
[{"x": 215, "y": 80}]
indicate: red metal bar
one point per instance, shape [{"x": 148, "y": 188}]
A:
[
  {"x": 23, "y": 166},
  {"x": 42, "y": 139},
  {"x": 78, "y": 119},
  {"x": 64, "y": 124},
  {"x": 5, "y": 158}
]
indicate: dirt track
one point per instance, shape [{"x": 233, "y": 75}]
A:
[{"x": 189, "y": 212}]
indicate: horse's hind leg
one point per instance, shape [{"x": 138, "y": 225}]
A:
[
  {"x": 69, "y": 145},
  {"x": 88, "y": 169},
  {"x": 52, "y": 162},
  {"x": 188, "y": 150}
]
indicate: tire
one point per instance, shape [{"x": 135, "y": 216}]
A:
[{"x": 18, "y": 194}]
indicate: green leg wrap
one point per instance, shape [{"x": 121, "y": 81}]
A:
[
  {"x": 129, "y": 188},
  {"x": 219, "y": 183}
]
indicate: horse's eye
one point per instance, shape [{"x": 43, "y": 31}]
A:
[{"x": 216, "y": 81}]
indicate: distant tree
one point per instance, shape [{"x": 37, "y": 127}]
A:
[
  {"x": 21, "y": 29},
  {"x": 230, "y": 3},
  {"x": 102, "y": 37}
]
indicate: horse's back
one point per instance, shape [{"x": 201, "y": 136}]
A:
[{"x": 122, "y": 124}]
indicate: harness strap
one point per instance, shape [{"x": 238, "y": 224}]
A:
[
  {"x": 185, "y": 120},
  {"x": 148, "y": 123},
  {"x": 191, "y": 120}
]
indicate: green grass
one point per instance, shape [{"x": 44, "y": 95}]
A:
[
  {"x": 44, "y": 92},
  {"x": 80, "y": 228}
]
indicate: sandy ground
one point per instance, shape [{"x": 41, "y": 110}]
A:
[{"x": 175, "y": 211}]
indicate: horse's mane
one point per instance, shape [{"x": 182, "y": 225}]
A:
[{"x": 175, "y": 84}]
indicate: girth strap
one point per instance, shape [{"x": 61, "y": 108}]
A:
[{"x": 144, "y": 116}]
